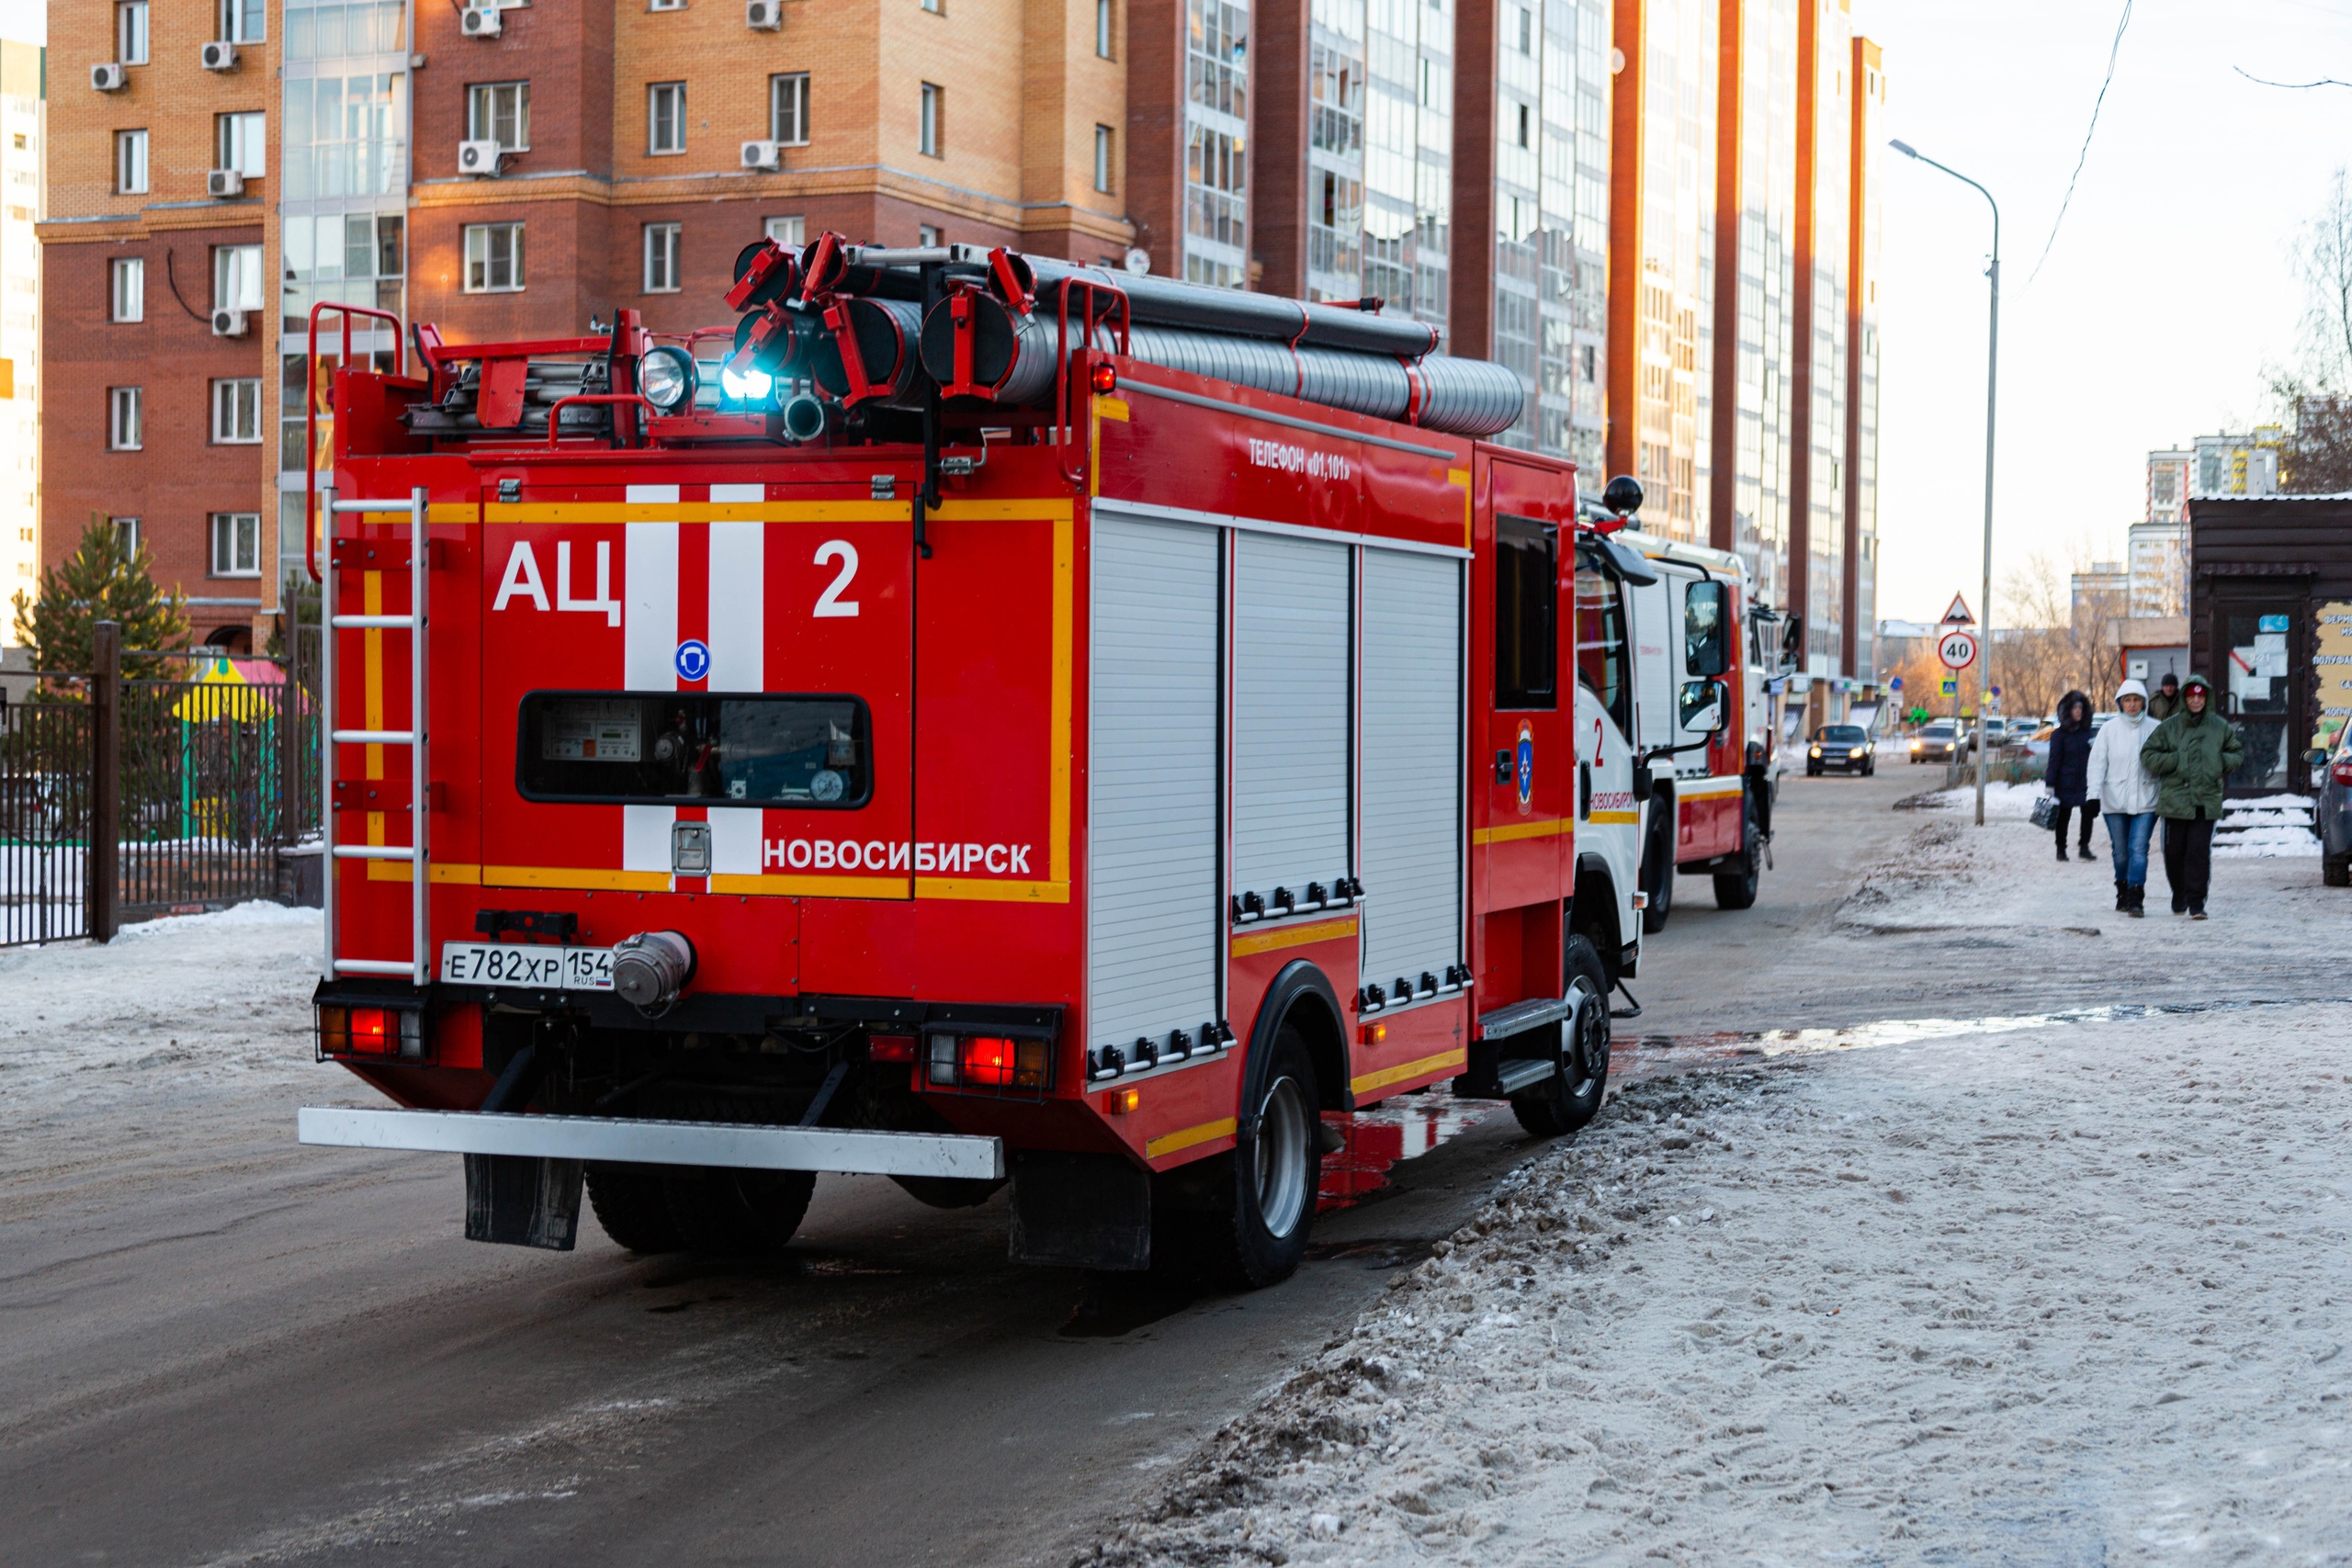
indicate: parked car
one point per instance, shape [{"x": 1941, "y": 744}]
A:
[
  {"x": 1940, "y": 741},
  {"x": 1844, "y": 747},
  {"x": 2035, "y": 739},
  {"x": 2333, "y": 813}
]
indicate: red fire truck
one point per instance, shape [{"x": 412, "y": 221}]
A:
[{"x": 982, "y": 719}]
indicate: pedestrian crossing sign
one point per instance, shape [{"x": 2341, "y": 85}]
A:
[{"x": 1951, "y": 687}]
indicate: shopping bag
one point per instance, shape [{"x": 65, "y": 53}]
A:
[{"x": 2045, "y": 812}]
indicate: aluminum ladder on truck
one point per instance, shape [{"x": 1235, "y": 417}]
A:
[{"x": 418, "y": 966}]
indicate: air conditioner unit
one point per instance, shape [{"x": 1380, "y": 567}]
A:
[
  {"x": 762, "y": 155},
  {"x": 228, "y": 323},
  {"x": 223, "y": 182},
  {"x": 765, "y": 16},
  {"x": 109, "y": 78},
  {"x": 478, "y": 158},
  {"x": 220, "y": 56},
  {"x": 479, "y": 21}
]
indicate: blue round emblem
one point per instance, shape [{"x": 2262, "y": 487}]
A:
[{"x": 693, "y": 659}]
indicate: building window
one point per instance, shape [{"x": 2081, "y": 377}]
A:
[
  {"x": 936, "y": 7},
  {"x": 236, "y": 277},
  {"x": 127, "y": 530},
  {"x": 500, "y": 112},
  {"x": 928, "y": 139},
  {"x": 665, "y": 118},
  {"x": 130, "y": 162},
  {"x": 493, "y": 258},
  {"x": 790, "y": 232},
  {"x": 241, "y": 142},
  {"x": 1526, "y": 30},
  {"x": 125, "y": 408},
  {"x": 662, "y": 258},
  {"x": 927, "y": 235},
  {"x": 789, "y": 109},
  {"x": 236, "y": 544},
  {"x": 1525, "y": 128},
  {"x": 129, "y": 291},
  {"x": 1102, "y": 30},
  {"x": 236, "y": 412},
  {"x": 1103, "y": 158},
  {"x": 242, "y": 21},
  {"x": 130, "y": 33},
  {"x": 666, "y": 4}
]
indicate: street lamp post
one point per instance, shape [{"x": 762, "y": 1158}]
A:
[{"x": 1992, "y": 385}]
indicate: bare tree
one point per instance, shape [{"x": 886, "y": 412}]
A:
[
  {"x": 2059, "y": 639},
  {"x": 2316, "y": 398}
]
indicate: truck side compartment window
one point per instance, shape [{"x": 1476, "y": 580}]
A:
[
  {"x": 664, "y": 748},
  {"x": 1601, "y": 643},
  {"x": 1527, "y": 571}
]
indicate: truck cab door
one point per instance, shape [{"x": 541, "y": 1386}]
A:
[{"x": 1608, "y": 819}]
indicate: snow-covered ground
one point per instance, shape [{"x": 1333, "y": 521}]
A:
[
  {"x": 2054, "y": 1289},
  {"x": 142, "y": 1041}
]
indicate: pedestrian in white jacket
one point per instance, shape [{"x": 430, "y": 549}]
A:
[{"x": 2126, "y": 794}]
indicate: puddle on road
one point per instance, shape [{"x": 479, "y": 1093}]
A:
[
  {"x": 1726, "y": 1044},
  {"x": 1393, "y": 1130}
]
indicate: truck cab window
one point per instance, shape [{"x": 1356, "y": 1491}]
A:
[
  {"x": 1601, "y": 643},
  {"x": 1527, "y": 574}
]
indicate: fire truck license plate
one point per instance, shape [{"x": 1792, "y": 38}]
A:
[{"x": 511, "y": 963}]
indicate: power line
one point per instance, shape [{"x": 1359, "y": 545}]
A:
[
  {"x": 2113, "y": 49},
  {"x": 2293, "y": 86}
]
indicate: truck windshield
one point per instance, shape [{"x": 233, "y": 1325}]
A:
[{"x": 658, "y": 748}]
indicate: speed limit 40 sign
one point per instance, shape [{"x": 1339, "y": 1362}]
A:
[{"x": 1957, "y": 650}]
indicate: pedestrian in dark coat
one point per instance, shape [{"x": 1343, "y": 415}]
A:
[
  {"x": 2068, "y": 775},
  {"x": 2166, "y": 702},
  {"x": 2192, "y": 755}
]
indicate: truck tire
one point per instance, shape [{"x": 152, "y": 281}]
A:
[
  {"x": 1657, "y": 870},
  {"x": 736, "y": 1214},
  {"x": 1736, "y": 889},
  {"x": 1571, "y": 1097},
  {"x": 629, "y": 1205},
  {"x": 1258, "y": 1236}
]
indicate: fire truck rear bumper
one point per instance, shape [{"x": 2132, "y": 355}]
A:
[{"x": 852, "y": 1151}]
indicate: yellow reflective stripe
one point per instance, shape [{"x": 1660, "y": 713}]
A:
[
  {"x": 1515, "y": 830},
  {"x": 1020, "y": 509},
  {"x": 1293, "y": 936},
  {"x": 1627, "y": 818},
  {"x": 991, "y": 892},
  {"x": 1387, "y": 1076},
  {"x": 786, "y": 886},
  {"x": 1168, "y": 1144},
  {"x": 575, "y": 878}
]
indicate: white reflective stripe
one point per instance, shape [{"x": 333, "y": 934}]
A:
[
  {"x": 852, "y": 1151},
  {"x": 734, "y": 840},
  {"x": 1707, "y": 789},
  {"x": 649, "y": 575},
  {"x": 737, "y": 597},
  {"x": 645, "y": 838}
]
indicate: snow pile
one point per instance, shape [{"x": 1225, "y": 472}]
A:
[
  {"x": 2277, "y": 827},
  {"x": 1927, "y": 1302},
  {"x": 170, "y": 1016},
  {"x": 2005, "y": 801}
]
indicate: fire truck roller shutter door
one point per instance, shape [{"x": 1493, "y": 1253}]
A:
[
  {"x": 1412, "y": 765},
  {"x": 1292, "y": 639},
  {"x": 1153, "y": 962}
]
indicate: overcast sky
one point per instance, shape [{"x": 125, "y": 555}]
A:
[
  {"x": 2152, "y": 320},
  {"x": 2167, "y": 293}
]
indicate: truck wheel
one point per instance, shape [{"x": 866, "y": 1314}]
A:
[
  {"x": 1658, "y": 873},
  {"x": 1276, "y": 1169},
  {"x": 629, "y": 1203},
  {"x": 2336, "y": 871},
  {"x": 1736, "y": 889},
  {"x": 1571, "y": 1097},
  {"x": 736, "y": 1214}
]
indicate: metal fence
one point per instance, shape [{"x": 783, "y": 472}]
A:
[{"x": 121, "y": 800}]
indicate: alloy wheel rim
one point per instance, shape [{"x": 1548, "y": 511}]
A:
[{"x": 1591, "y": 1039}]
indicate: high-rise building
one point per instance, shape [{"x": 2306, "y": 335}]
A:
[
  {"x": 1868, "y": 84},
  {"x": 2237, "y": 465},
  {"x": 2156, "y": 565},
  {"x": 24, "y": 136},
  {"x": 2169, "y": 476}
]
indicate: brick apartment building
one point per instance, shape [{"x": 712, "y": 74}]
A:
[{"x": 1512, "y": 170}]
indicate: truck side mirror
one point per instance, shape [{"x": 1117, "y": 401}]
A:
[
  {"x": 1706, "y": 628},
  {"x": 1703, "y": 706}
]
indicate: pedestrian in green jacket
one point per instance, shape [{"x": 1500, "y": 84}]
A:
[
  {"x": 2191, "y": 755},
  {"x": 2166, "y": 702}
]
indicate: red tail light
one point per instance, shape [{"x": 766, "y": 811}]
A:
[
  {"x": 389, "y": 1033},
  {"x": 890, "y": 1048},
  {"x": 993, "y": 1062},
  {"x": 1106, "y": 378},
  {"x": 2342, "y": 771}
]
